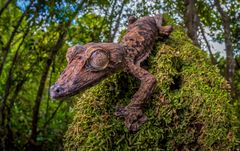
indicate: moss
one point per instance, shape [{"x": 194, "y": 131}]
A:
[{"x": 189, "y": 109}]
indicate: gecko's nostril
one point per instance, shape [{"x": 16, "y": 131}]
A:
[{"x": 56, "y": 90}]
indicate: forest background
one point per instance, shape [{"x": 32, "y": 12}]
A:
[{"x": 35, "y": 35}]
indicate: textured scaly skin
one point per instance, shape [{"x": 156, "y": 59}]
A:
[{"x": 140, "y": 38}]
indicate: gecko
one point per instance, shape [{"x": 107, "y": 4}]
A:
[{"x": 90, "y": 63}]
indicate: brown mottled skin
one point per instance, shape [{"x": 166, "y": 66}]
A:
[{"x": 90, "y": 63}]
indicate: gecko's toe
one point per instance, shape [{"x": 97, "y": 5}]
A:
[{"x": 134, "y": 117}]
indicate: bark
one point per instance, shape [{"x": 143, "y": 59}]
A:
[
  {"x": 191, "y": 20},
  {"x": 55, "y": 49},
  {"x": 5, "y": 6},
  {"x": 6, "y": 49},
  {"x": 230, "y": 67},
  {"x": 213, "y": 60}
]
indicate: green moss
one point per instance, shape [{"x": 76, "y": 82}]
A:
[{"x": 189, "y": 109}]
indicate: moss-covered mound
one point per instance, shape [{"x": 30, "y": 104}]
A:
[{"x": 189, "y": 109}]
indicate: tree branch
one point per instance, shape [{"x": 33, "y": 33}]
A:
[{"x": 208, "y": 45}]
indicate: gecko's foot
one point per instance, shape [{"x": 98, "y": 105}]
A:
[{"x": 134, "y": 118}]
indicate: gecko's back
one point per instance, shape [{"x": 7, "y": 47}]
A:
[{"x": 141, "y": 37}]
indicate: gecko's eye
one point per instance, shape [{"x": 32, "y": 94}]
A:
[{"x": 98, "y": 60}]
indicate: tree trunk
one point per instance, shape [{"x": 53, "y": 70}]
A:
[
  {"x": 191, "y": 20},
  {"x": 5, "y": 6},
  {"x": 230, "y": 66}
]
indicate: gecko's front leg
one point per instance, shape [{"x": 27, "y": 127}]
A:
[{"x": 132, "y": 113}]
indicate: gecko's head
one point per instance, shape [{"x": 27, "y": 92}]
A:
[{"x": 87, "y": 65}]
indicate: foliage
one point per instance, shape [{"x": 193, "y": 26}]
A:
[
  {"x": 30, "y": 32},
  {"x": 190, "y": 108}
]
